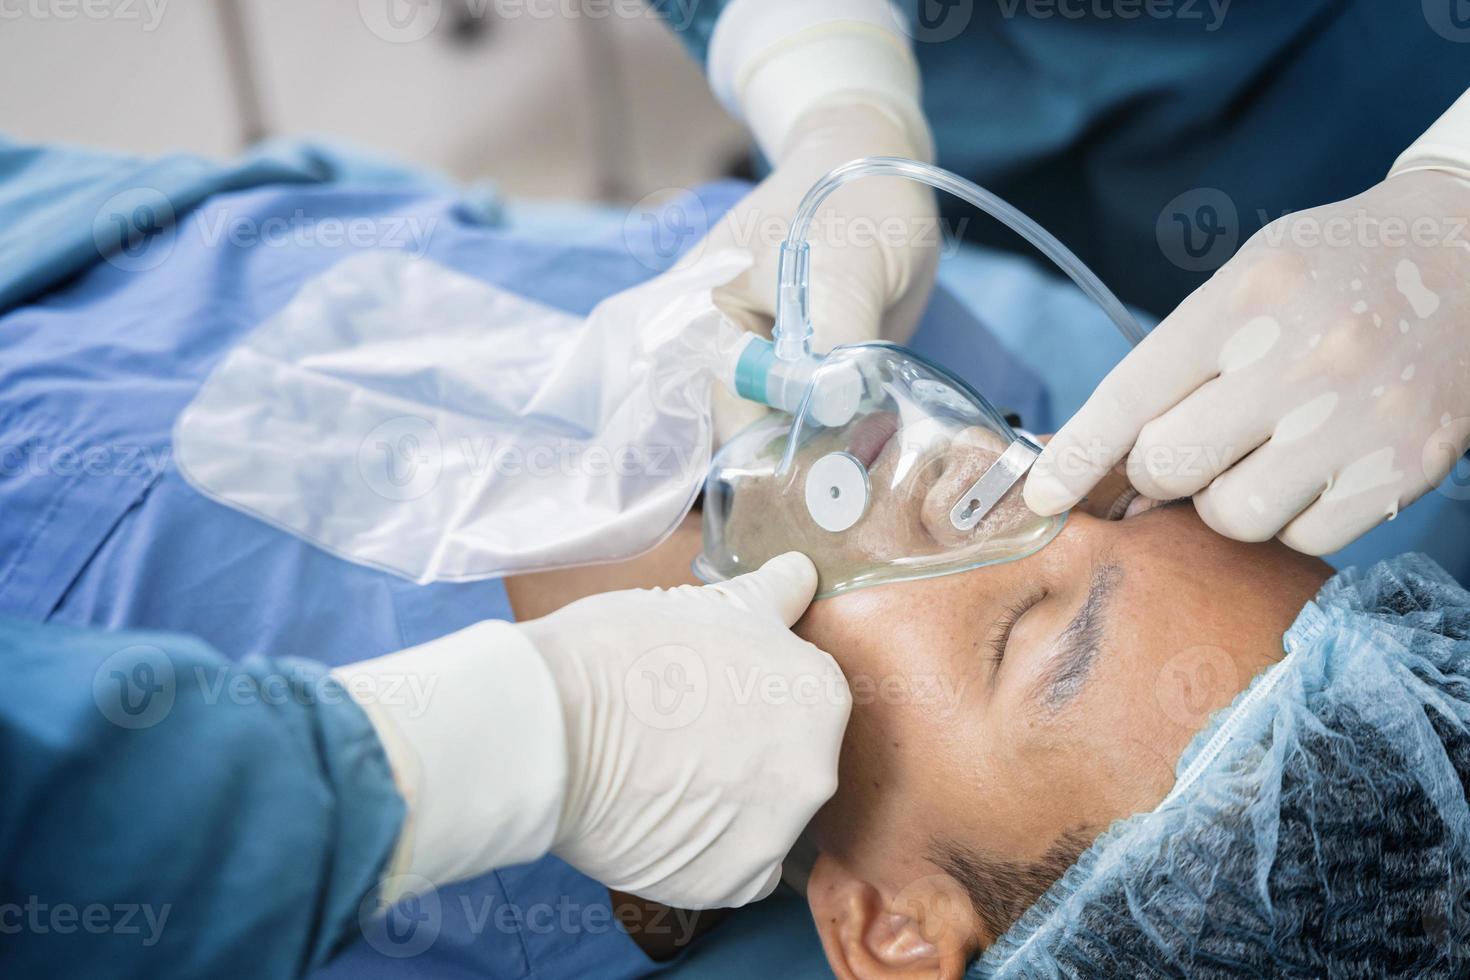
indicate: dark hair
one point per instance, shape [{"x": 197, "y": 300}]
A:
[{"x": 1001, "y": 890}]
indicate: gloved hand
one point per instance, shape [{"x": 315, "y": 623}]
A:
[
  {"x": 874, "y": 244},
  {"x": 821, "y": 83},
  {"x": 1317, "y": 384},
  {"x": 688, "y": 780},
  {"x": 671, "y": 744}
]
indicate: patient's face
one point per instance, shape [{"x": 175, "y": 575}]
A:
[{"x": 1017, "y": 710}]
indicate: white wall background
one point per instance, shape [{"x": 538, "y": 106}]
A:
[{"x": 579, "y": 99}]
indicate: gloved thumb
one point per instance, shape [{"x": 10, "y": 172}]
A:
[{"x": 783, "y": 587}]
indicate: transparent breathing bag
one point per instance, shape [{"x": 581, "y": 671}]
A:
[{"x": 406, "y": 416}]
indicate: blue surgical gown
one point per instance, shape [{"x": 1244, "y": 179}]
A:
[
  {"x": 1103, "y": 121},
  {"x": 138, "y": 767}
]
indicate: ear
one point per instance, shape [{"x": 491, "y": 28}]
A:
[{"x": 925, "y": 930}]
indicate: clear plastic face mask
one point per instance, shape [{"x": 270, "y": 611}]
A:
[{"x": 891, "y": 469}]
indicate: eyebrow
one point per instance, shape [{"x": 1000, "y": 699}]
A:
[{"x": 1078, "y": 645}]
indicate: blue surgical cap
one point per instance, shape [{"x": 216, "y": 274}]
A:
[{"x": 1318, "y": 826}]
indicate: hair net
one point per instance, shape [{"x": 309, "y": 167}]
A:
[{"x": 1319, "y": 825}]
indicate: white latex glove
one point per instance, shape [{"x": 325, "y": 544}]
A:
[
  {"x": 1316, "y": 385},
  {"x": 671, "y": 744},
  {"x": 821, "y": 83},
  {"x": 875, "y": 243},
  {"x": 702, "y": 735}
]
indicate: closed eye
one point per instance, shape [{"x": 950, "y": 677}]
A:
[{"x": 1000, "y": 632}]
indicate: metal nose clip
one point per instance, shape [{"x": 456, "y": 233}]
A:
[{"x": 986, "y": 492}]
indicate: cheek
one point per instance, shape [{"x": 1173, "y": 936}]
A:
[
  {"x": 1128, "y": 747},
  {"x": 898, "y": 789},
  {"x": 899, "y": 753}
]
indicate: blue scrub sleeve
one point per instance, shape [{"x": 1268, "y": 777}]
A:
[{"x": 168, "y": 813}]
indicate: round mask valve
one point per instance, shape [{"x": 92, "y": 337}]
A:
[{"x": 837, "y": 491}]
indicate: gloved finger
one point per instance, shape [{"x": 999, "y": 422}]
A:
[
  {"x": 746, "y": 306},
  {"x": 902, "y": 318},
  {"x": 1182, "y": 450},
  {"x": 846, "y": 308},
  {"x": 783, "y": 587},
  {"x": 732, "y": 414},
  {"x": 850, "y": 301},
  {"x": 1341, "y": 515},
  {"x": 1156, "y": 375},
  {"x": 1258, "y": 496}
]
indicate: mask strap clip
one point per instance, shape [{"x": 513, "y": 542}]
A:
[{"x": 993, "y": 484}]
